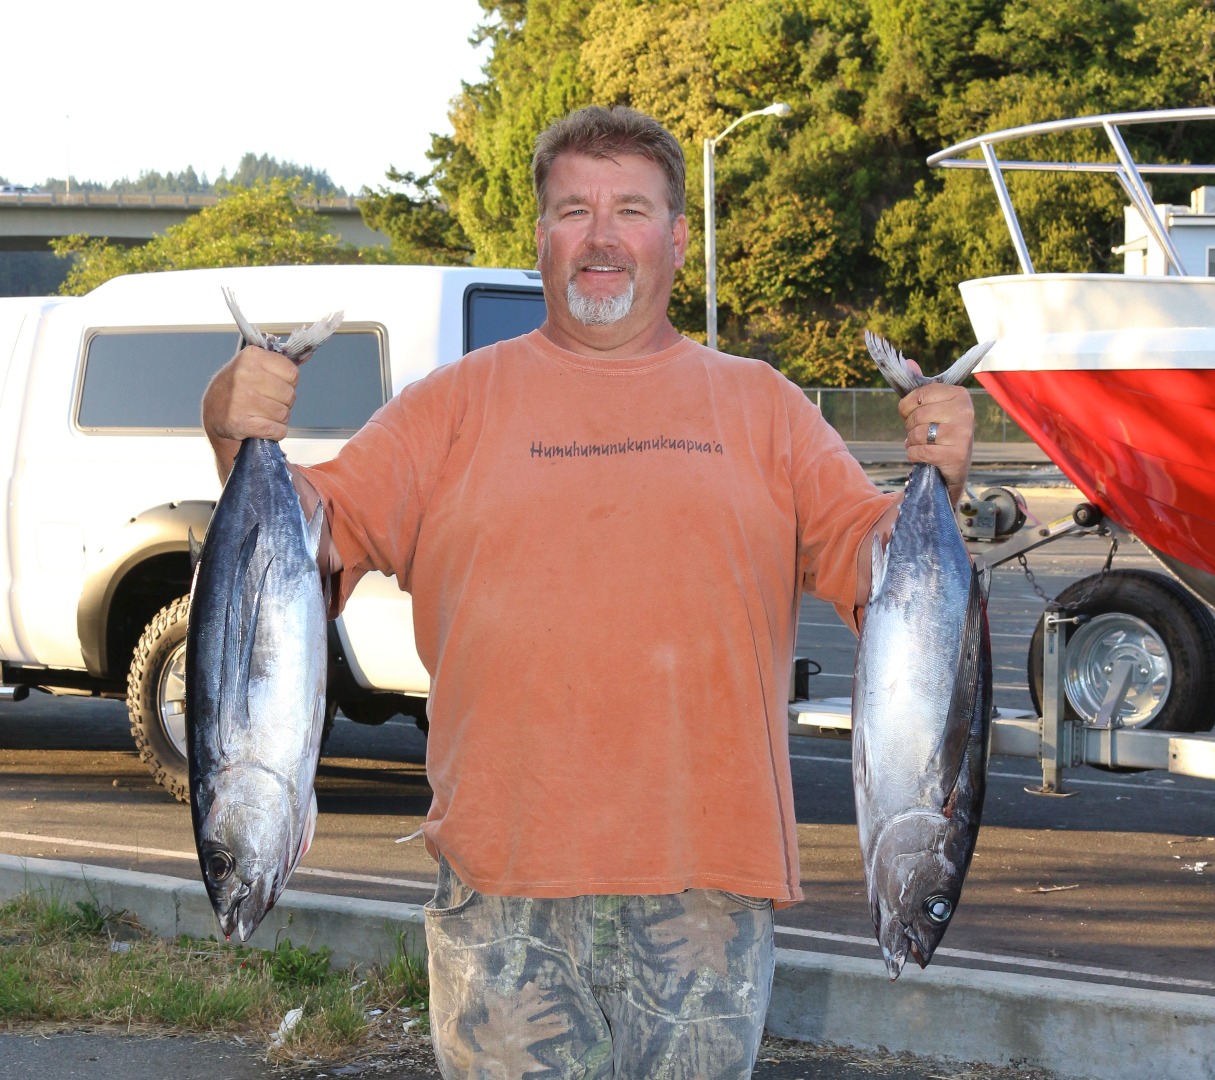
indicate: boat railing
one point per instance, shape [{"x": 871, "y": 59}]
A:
[{"x": 1128, "y": 172}]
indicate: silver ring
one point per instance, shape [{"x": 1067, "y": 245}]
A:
[{"x": 932, "y": 433}]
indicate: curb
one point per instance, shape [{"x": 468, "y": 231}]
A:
[
  {"x": 1077, "y": 1029},
  {"x": 357, "y": 931},
  {"x": 1073, "y": 1028}
]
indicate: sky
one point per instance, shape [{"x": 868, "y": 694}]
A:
[{"x": 112, "y": 90}]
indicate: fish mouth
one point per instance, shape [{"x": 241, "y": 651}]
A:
[
  {"x": 895, "y": 959},
  {"x": 243, "y": 911},
  {"x": 904, "y": 942}
]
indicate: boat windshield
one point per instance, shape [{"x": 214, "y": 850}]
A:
[{"x": 1128, "y": 172}]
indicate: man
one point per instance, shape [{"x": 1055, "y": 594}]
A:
[{"x": 606, "y": 529}]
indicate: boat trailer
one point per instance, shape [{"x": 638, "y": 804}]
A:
[{"x": 1059, "y": 741}]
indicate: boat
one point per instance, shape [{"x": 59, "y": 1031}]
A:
[{"x": 1113, "y": 376}]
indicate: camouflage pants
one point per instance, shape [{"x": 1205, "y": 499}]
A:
[{"x": 597, "y": 987}]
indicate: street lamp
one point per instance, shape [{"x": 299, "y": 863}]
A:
[{"x": 778, "y": 108}]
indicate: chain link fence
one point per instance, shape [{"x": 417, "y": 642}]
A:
[{"x": 872, "y": 415}]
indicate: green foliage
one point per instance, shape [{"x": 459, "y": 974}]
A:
[
  {"x": 79, "y": 964},
  {"x": 261, "y": 225},
  {"x": 656, "y": 58},
  {"x": 250, "y": 169},
  {"x": 406, "y": 979},
  {"x": 295, "y": 968},
  {"x": 186, "y": 182},
  {"x": 483, "y": 172},
  {"x": 828, "y": 221},
  {"x": 420, "y": 226}
]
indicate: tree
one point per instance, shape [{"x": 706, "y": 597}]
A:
[
  {"x": 261, "y": 225},
  {"x": 1073, "y": 58},
  {"x": 420, "y": 226},
  {"x": 533, "y": 76},
  {"x": 829, "y": 221},
  {"x": 251, "y": 168}
]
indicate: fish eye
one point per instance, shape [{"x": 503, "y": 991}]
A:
[
  {"x": 938, "y": 909},
  {"x": 219, "y": 865}
]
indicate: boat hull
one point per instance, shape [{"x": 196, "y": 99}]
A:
[{"x": 1114, "y": 378}]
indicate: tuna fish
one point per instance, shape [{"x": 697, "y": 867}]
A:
[
  {"x": 256, "y": 665},
  {"x": 921, "y": 707}
]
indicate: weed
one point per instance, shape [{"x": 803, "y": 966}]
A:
[
  {"x": 65, "y": 964},
  {"x": 292, "y": 968}
]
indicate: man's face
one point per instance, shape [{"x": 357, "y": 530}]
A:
[{"x": 608, "y": 249}]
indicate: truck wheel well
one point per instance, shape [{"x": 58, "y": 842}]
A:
[{"x": 151, "y": 585}]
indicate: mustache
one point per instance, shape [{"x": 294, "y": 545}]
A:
[{"x": 595, "y": 257}]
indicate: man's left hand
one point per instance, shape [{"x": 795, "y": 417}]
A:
[{"x": 940, "y": 422}]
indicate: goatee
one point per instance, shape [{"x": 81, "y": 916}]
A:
[{"x": 599, "y": 310}]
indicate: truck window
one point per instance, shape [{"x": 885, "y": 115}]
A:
[
  {"x": 154, "y": 380},
  {"x": 494, "y": 313}
]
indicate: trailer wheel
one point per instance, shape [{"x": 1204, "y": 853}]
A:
[
  {"x": 1159, "y": 626},
  {"x": 156, "y": 698}
]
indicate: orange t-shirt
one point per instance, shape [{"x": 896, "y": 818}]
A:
[{"x": 606, "y": 559}]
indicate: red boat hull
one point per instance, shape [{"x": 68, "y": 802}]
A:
[{"x": 1139, "y": 444}]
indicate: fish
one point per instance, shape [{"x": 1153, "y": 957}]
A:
[
  {"x": 256, "y": 672},
  {"x": 921, "y": 706}
]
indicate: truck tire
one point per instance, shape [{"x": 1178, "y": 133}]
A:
[
  {"x": 1155, "y": 622},
  {"x": 156, "y": 698}
]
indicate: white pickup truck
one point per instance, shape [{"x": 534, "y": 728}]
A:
[{"x": 107, "y": 469}]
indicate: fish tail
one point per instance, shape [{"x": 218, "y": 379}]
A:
[
  {"x": 307, "y": 339},
  {"x": 893, "y": 365},
  {"x": 299, "y": 346},
  {"x": 961, "y": 368},
  {"x": 250, "y": 333}
]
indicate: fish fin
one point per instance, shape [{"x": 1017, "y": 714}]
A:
[
  {"x": 306, "y": 835},
  {"x": 230, "y": 672},
  {"x": 249, "y": 639},
  {"x": 860, "y": 759},
  {"x": 251, "y": 334},
  {"x": 315, "y": 526},
  {"x": 961, "y": 368},
  {"x": 893, "y": 364},
  {"x": 980, "y": 727},
  {"x": 195, "y": 549},
  {"x": 985, "y": 582},
  {"x": 239, "y": 635},
  {"x": 878, "y": 562},
  {"x": 307, "y": 339},
  {"x": 966, "y": 688}
]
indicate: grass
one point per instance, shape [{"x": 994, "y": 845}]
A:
[{"x": 78, "y": 964}]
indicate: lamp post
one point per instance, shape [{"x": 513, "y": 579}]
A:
[{"x": 778, "y": 108}]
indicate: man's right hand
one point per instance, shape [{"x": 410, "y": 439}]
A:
[{"x": 250, "y": 397}]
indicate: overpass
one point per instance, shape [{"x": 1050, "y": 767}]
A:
[{"x": 28, "y": 222}]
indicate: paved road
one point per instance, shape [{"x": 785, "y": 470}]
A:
[
  {"x": 1113, "y": 885},
  {"x": 75, "y": 1055}
]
